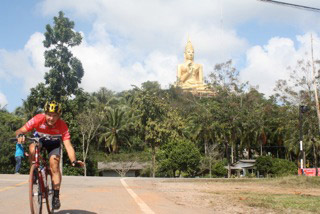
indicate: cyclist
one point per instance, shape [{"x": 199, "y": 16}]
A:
[{"x": 50, "y": 124}]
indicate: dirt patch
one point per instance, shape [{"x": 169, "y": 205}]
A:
[{"x": 245, "y": 196}]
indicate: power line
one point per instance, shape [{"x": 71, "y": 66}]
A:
[{"x": 292, "y": 5}]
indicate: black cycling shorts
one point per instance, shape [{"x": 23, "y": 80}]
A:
[{"x": 53, "y": 147}]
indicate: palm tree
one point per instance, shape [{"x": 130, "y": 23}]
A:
[
  {"x": 28, "y": 110},
  {"x": 103, "y": 95},
  {"x": 114, "y": 130}
]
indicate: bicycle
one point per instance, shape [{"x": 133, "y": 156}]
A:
[{"x": 40, "y": 179}]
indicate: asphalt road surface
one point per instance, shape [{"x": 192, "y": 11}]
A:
[{"x": 94, "y": 195}]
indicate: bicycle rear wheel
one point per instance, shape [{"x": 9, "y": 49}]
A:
[
  {"x": 49, "y": 192},
  {"x": 35, "y": 195}
]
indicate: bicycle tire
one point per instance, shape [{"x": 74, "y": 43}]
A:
[
  {"x": 49, "y": 192},
  {"x": 35, "y": 195}
]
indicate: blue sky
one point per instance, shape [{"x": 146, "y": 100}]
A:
[{"x": 129, "y": 42}]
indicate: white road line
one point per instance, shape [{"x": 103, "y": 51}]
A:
[{"x": 143, "y": 206}]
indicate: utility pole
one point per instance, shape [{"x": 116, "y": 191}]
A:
[
  {"x": 315, "y": 85},
  {"x": 315, "y": 95},
  {"x": 302, "y": 109}
]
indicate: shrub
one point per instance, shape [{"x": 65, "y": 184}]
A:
[
  {"x": 218, "y": 169},
  {"x": 264, "y": 164},
  {"x": 282, "y": 167},
  {"x": 275, "y": 166},
  {"x": 180, "y": 156}
]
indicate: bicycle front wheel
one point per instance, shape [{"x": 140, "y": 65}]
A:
[
  {"x": 35, "y": 193},
  {"x": 49, "y": 192}
]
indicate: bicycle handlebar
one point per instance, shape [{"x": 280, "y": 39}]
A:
[
  {"x": 77, "y": 165},
  {"x": 38, "y": 139}
]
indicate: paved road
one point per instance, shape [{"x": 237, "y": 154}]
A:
[{"x": 94, "y": 195}]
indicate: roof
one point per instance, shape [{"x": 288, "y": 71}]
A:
[
  {"x": 247, "y": 161},
  {"x": 243, "y": 164},
  {"x": 132, "y": 165}
]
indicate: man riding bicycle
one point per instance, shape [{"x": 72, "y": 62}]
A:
[{"x": 50, "y": 124}]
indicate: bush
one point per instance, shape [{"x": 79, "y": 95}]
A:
[
  {"x": 275, "y": 166},
  {"x": 218, "y": 170},
  {"x": 282, "y": 167},
  {"x": 264, "y": 164},
  {"x": 180, "y": 156}
]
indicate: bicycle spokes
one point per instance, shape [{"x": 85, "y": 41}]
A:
[
  {"x": 49, "y": 193},
  {"x": 35, "y": 191}
]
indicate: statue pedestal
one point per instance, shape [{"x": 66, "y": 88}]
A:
[{"x": 201, "y": 91}]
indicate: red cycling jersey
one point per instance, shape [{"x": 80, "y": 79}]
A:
[{"x": 38, "y": 122}]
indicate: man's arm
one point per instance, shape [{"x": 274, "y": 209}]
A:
[
  {"x": 71, "y": 153},
  {"x": 70, "y": 150},
  {"x": 22, "y": 130}
]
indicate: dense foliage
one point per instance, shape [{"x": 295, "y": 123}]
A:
[
  {"x": 275, "y": 166},
  {"x": 177, "y": 158}
]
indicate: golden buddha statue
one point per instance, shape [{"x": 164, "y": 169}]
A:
[{"x": 190, "y": 74}]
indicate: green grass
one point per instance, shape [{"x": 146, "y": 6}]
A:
[
  {"x": 289, "y": 181},
  {"x": 279, "y": 203},
  {"x": 301, "y": 181},
  {"x": 282, "y": 202}
]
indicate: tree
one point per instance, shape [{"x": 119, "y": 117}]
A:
[
  {"x": 114, "y": 131},
  {"x": 151, "y": 109},
  {"x": 66, "y": 70},
  {"x": 28, "y": 110},
  {"x": 103, "y": 95},
  {"x": 180, "y": 156},
  {"x": 218, "y": 169},
  {"x": 123, "y": 167},
  {"x": 153, "y": 86},
  {"x": 210, "y": 158},
  {"x": 264, "y": 164},
  {"x": 298, "y": 90},
  {"x": 89, "y": 122},
  {"x": 8, "y": 124},
  {"x": 227, "y": 106}
]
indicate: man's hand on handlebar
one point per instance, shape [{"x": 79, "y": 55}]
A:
[{"x": 78, "y": 164}]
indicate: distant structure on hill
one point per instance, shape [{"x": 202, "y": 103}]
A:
[{"x": 190, "y": 74}]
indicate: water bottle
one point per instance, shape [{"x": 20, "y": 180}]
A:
[{"x": 43, "y": 173}]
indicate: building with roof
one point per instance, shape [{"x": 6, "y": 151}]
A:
[
  {"x": 122, "y": 168},
  {"x": 243, "y": 167}
]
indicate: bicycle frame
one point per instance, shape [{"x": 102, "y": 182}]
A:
[{"x": 38, "y": 162}]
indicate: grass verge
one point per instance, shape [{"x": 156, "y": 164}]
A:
[{"x": 282, "y": 202}]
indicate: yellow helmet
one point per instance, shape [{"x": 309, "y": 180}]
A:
[{"x": 52, "y": 106}]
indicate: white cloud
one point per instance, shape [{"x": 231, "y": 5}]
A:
[
  {"x": 133, "y": 31},
  {"x": 103, "y": 67},
  {"x": 131, "y": 42},
  {"x": 140, "y": 27},
  {"x": 26, "y": 64},
  {"x": 267, "y": 64},
  {"x": 3, "y": 100}
]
